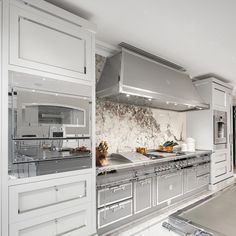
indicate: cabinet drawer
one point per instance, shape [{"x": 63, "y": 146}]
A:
[
  {"x": 32, "y": 199},
  {"x": 203, "y": 169},
  {"x": 114, "y": 213},
  {"x": 219, "y": 157},
  {"x": 220, "y": 169},
  {"x": 203, "y": 180},
  {"x": 142, "y": 195},
  {"x": 73, "y": 221},
  {"x": 114, "y": 194},
  {"x": 43, "y": 42},
  {"x": 170, "y": 186}
]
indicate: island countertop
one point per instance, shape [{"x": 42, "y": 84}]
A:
[{"x": 133, "y": 159}]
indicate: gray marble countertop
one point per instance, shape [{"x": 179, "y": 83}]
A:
[{"x": 136, "y": 159}]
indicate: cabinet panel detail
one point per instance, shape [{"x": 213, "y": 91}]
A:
[
  {"x": 114, "y": 213},
  {"x": 142, "y": 195},
  {"x": 114, "y": 194},
  {"x": 38, "y": 41},
  {"x": 31, "y": 199},
  {"x": 170, "y": 186}
]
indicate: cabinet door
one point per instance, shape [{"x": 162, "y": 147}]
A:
[
  {"x": 190, "y": 179},
  {"x": 142, "y": 195},
  {"x": 72, "y": 221},
  {"x": 43, "y": 42},
  {"x": 170, "y": 186},
  {"x": 220, "y": 98},
  {"x": 34, "y": 199}
]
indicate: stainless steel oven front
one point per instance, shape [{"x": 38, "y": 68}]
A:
[
  {"x": 50, "y": 126},
  {"x": 220, "y": 127}
]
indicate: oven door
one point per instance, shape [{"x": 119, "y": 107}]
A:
[{"x": 39, "y": 114}]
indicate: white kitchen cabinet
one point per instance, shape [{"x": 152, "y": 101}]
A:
[
  {"x": 70, "y": 222},
  {"x": 142, "y": 195},
  {"x": 34, "y": 199},
  {"x": 220, "y": 98},
  {"x": 44, "y": 42},
  {"x": 200, "y": 125}
]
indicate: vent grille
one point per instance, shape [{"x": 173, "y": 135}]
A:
[{"x": 153, "y": 57}]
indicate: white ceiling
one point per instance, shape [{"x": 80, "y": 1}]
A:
[{"x": 199, "y": 35}]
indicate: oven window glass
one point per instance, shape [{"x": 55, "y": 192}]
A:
[
  {"x": 49, "y": 114},
  {"x": 41, "y": 114}
]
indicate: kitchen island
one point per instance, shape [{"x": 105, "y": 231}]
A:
[{"x": 134, "y": 185}]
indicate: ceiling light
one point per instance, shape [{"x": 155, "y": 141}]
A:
[
  {"x": 149, "y": 99},
  {"x": 127, "y": 95}
]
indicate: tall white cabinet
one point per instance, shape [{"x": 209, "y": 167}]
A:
[
  {"x": 200, "y": 125},
  {"x": 42, "y": 40}
]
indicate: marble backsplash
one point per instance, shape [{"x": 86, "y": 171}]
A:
[{"x": 126, "y": 127}]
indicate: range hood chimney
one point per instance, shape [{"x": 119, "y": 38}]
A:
[{"x": 136, "y": 77}]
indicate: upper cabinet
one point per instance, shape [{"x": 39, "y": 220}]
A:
[
  {"x": 45, "y": 42},
  {"x": 220, "y": 98}
]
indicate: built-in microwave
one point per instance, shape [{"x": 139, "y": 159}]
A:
[
  {"x": 220, "y": 127},
  {"x": 49, "y": 126}
]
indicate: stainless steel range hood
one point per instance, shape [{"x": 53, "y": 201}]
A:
[{"x": 129, "y": 77}]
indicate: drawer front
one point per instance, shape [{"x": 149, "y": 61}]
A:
[
  {"x": 219, "y": 172},
  {"x": 37, "y": 41},
  {"x": 114, "y": 194},
  {"x": 73, "y": 221},
  {"x": 170, "y": 186},
  {"x": 203, "y": 169},
  {"x": 32, "y": 199},
  {"x": 220, "y": 157},
  {"x": 190, "y": 179},
  {"x": 203, "y": 180},
  {"x": 114, "y": 213},
  {"x": 142, "y": 195},
  {"x": 220, "y": 169}
]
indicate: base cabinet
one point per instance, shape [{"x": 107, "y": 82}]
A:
[
  {"x": 71, "y": 222},
  {"x": 142, "y": 195},
  {"x": 170, "y": 186},
  {"x": 221, "y": 166}
]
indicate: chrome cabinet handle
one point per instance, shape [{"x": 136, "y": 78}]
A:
[
  {"x": 117, "y": 208},
  {"x": 122, "y": 188},
  {"x": 71, "y": 230}
]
